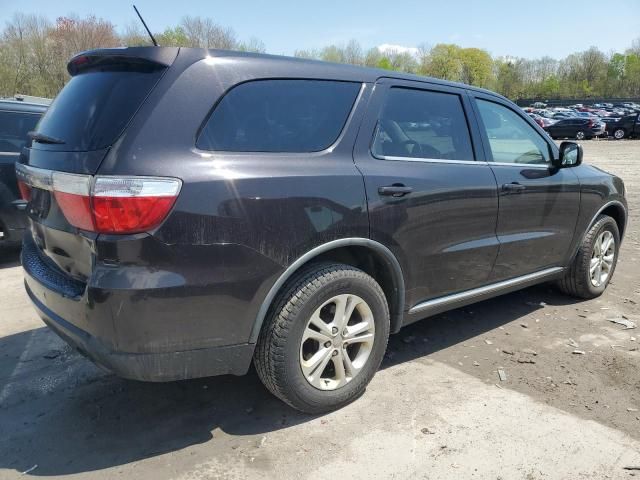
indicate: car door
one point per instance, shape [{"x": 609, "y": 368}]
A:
[
  {"x": 564, "y": 128},
  {"x": 14, "y": 127},
  {"x": 431, "y": 197},
  {"x": 538, "y": 203}
]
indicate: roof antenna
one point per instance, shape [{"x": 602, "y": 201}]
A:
[{"x": 153, "y": 40}]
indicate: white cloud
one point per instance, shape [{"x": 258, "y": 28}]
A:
[{"x": 388, "y": 47}]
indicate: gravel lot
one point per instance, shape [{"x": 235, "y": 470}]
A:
[{"x": 437, "y": 409}]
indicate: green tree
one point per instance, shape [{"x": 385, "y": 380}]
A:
[
  {"x": 476, "y": 66},
  {"x": 444, "y": 62},
  {"x": 173, "y": 37}
]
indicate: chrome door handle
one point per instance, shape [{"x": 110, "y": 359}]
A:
[
  {"x": 394, "y": 190},
  {"x": 513, "y": 187}
]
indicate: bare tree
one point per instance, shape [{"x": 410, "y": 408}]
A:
[
  {"x": 353, "y": 53},
  {"x": 205, "y": 33}
]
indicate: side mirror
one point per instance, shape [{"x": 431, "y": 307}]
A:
[{"x": 570, "y": 155}]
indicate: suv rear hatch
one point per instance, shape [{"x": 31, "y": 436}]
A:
[{"x": 57, "y": 172}]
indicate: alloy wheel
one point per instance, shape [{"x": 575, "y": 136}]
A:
[
  {"x": 602, "y": 259},
  {"x": 337, "y": 342},
  {"x": 618, "y": 134},
  {"x": 580, "y": 136}
]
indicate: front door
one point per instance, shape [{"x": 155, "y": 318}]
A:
[
  {"x": 432, "y": 199},
  {"x": 538, "y": 203}
]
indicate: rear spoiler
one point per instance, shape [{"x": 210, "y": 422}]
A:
[{"x": 160, "y": 57}]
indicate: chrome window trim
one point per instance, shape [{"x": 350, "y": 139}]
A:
[
  {"x": 529, "y": 165},
  {"x": 429, "y": 160},
  {"x": 485, "y": 290}
]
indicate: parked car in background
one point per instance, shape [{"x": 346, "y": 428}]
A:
[
  {"x": 590, "y": 115},
  {"x": 539, "y": 105},
  {"x": 538, "y": 119},
  {"x": 17, "y": 119},
  {"x": 563, "y": 115},
  {"x": 578, "y": 128},
  {"x": 624, "y": 127},
  {"x": 296, "y": 215}
]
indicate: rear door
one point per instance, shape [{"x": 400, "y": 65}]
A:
[
  {"x": 538, "y": 203},
  {"x": 432, "y": 199}
]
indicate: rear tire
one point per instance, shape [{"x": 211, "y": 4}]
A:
[
  {"x": 618, "y": 134},
  {"x": 580, "y": 279},
  {"x": 293, "y": 337},
  {"x": 580, "y": 135}
]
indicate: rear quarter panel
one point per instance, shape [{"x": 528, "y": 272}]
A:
[{"x": 240, "y": 219}]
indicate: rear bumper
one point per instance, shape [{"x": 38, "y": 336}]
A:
[
  {"x": 65, "y": 306},
  {"x": 150, "y": 367}
]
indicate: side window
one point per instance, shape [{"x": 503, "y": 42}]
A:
[
  {"x": 279, "y": 116},
  {"x": 511, "y": 138},
  {"x": 422, "y": 124},
  {"x": 14, "y": 128}
]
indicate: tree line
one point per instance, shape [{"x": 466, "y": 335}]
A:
[{"x": 34, "y": 52}]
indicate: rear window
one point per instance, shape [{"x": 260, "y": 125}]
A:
[
  {"x": 279, "y": 116},
  {"x": 14, "y": 127},
  {"x": 94, "y": 107}
]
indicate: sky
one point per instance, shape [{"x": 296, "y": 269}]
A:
[{"x": 531, "y": 29}]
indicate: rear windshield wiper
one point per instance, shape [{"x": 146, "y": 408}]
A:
[{"x": 42, "y": 138}]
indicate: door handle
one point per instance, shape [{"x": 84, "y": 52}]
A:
[
  {"x": 395, "y": 190},
  {"x": 513, "y": 187}
]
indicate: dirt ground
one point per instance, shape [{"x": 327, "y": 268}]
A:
[{"x": 437, "y": 408}]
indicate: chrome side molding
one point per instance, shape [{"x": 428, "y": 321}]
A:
[{"x": 482, "y": 291}]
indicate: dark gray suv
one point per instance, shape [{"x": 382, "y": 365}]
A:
[{"x": 192, "y": 211}]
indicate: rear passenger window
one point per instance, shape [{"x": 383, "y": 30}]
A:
[
  {"x": 14, "y": 128},
  {"x": 422, "y": 124},
  {"x": 279, "y": 116},
  {"x": 511, "y": 138}
]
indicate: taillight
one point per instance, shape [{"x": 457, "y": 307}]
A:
[
  {"x": 72, "y": 193},
  {"x": 590, "y": 124},
  {"x": 132, "y": 204},
  {"x": 25, "y": 190},
  {"x": 114, "y": 205}
]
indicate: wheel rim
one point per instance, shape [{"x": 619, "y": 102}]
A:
[
  {"x": 618, "y": 134},
  {"x": 580, "y": 135},
  {"x": 602, "y": 258},
  {"x": 337, "y": 342}
]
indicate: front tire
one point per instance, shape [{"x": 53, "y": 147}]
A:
[
  {"x": 618, "y": 134},
  {"x": 593, "y": 266},
  {"x": 324, "y": 338}
]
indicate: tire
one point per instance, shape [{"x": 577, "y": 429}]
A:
[
  {"x": 580, "y": 135},
  {"x": 618, "y": 133},
  {"x": 577, "y": 280},
  {"x": 280, "y": 352}
]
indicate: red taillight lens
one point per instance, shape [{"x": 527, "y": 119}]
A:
[
  {"x": 76, "y": 209},
  {"x": 115, "y": 205},
  {"x": 25, "y": 190},
  {"x": 130, "y": 215},
  {"x": 72, "y": 195},
  {"x": 132, "y": 204}
]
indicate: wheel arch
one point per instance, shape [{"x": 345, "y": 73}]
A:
[
  {"x": 366, "y": 254},
  {"x": 616, "y": 211}
]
